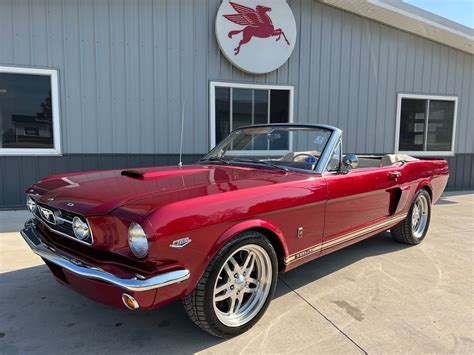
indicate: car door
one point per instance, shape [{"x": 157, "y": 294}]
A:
[{"x": 358, "y": 199}]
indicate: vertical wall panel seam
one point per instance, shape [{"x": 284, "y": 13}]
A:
[
  {"x": 48, "y": 59},
  {"x": 338, "y": 106},
  {"x": 139, "y": 99},
  {"x": 349, "y": 85},
  {"x": 339, "y": 82},
  {"x": 367, "y": 29},
  {"x": 206, "y": 56},
  {"x": 191, "y": 147},
  {"x": 462, "y": 106},
  {"x": 193, "y": 110},
  {"x": 111, "y": 72},
  {"x": 377, "y": 88},
  {"x": 379, "y": 145},
  {"x": 96, "y": 80},
  {"x": 361, "y": 23},
  {"x": 318, "y": 105},
  {"x": 30, "y": 34},
  {"x": 327, "y": 119},
  {"x": 124, "y": 34},
  {"x": 11, "y": 59},
  {"x": 13, "y": 32},
  {"x": 167, "y": 78},
  {"x": 447, "y": 69},
  {"x": 155, "y": 148},
  {"x": 80, "y": 68},
  {"x": 310, "y": 67},
  {"x": 412, "y": 78},
  {"x": 469, "y": 112},
  {"x": 181, "y": 55},
  {"x": 387, "y": 116},
  {"x": 62, "y": 87},
  {"x": 300, "y": 117}
]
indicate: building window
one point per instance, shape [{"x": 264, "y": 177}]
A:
[
  {"x": 235, "y": 105},
  {"x": 426, "y": 124},
  {"x": 29, "y": 112}
]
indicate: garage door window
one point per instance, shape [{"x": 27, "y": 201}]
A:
[
  {"x": 29, "y": 114},
  {"x": 426, "y": 124},
  {"x": 236, "y": 105}
]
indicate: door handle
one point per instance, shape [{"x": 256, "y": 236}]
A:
[{"x": 394, "y": 175}]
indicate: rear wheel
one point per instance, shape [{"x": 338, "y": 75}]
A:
[
  {"x": 413, "y": 230},
  {"x": 236, "y": 287}
]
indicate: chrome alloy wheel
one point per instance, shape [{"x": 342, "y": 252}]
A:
[
  {"x": 242, "y": 285},
  {"x": 419, "y": 216}
]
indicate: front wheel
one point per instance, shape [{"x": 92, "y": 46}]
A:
[
  {"x": 414, "y": 228},
  {"x": 236, "y": 288}
]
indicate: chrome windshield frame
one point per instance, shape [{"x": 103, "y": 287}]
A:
[{"x": 325, "y": 158}]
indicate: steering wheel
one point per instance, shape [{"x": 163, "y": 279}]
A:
[{"x": 313, "y": 160}]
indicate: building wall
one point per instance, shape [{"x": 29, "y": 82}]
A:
[{"x": 125, "y": 67}]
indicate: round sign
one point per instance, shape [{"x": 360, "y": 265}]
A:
[{"x": 257, "y": 36}]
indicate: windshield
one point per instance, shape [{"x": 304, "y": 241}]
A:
[{"x": 277, "y": 146}]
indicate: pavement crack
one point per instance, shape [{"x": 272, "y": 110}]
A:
[{"x": 322, "y": 315}]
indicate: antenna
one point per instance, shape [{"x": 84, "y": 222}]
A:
[{"x": 180, "y": 164}]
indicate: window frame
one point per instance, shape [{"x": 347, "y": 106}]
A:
[
  {"x": 425, "y": 153},
  {"x": 234, "y": 85},
  {"x": 339, "y": 169},
  {"x": 57, "y": 149}
]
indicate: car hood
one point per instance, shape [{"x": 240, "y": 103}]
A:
[{"x": 98, "y": 193}]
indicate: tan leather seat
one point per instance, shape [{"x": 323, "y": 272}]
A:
[
  {"x": 366, "y": 162},
  {"x": 390, "y": 159},
  {"x": 302, "y": 155}
]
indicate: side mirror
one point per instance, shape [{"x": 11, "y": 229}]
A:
[{"x": 350, "y": 161}]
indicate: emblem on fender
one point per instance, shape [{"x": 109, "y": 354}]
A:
[{"x": 180, "y": 243}]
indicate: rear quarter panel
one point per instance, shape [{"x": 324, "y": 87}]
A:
[{"x": 432, "y": 174}]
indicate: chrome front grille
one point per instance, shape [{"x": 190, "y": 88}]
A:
[{"x": 60, "y": 221}]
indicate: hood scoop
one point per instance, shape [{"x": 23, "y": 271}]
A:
[
  {"x": 132, "y": 174},
  {"x": 137, "y": 174}
]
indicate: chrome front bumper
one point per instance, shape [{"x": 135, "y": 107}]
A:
[{"x": 33, "y": 237}]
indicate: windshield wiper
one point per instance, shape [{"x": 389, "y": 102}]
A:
[
  {"x": 215, "y": 159},
  {"x": 261, "y": 162}
]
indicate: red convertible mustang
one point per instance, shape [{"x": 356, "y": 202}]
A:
[{"x": 217, "y": 233}]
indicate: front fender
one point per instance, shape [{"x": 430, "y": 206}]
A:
[{"x": 243, "y": 226}]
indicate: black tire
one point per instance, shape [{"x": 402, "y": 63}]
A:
[
  {"x": 199, "y": 305},
  {"x": 404, "y": 232}
]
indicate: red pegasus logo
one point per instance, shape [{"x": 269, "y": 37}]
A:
[{"x": 257, "y": 24}]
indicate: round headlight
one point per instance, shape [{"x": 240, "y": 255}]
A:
[
  {"x": 31, "y": 204},
  {"x": 80, "y": 228},
  {"x": 137, "y": 240}
]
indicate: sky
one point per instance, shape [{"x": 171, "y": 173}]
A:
[{"x": 460, "y": 11}]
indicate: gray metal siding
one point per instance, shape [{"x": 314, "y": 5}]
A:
[
  {"x": 127, "y": 66},
  {"x": 18, "y": 173}
]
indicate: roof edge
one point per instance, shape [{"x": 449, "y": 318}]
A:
[{"x": 411, "y": 19}]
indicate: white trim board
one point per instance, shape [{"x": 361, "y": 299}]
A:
[
  {"x": 401, "y": 96},
  {"x": 53, "y": 74},
  {"x": 212, "y": 97}
]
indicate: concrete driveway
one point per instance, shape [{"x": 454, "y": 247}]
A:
[{"x": 376, "y": 296}]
